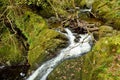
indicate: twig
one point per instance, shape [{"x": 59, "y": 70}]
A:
[
  {"x": 4, "y": 12},
  {"x": 93, "y": 14},
  {"x": 54, "y": 9},
  {"x": 11, "y": 23}
]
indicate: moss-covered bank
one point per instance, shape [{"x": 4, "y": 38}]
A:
[
  {"x": 12, "y": 51},
  {"x": 25, "y": 36},
  {"x": 108, "y": 11},
  {"x": 42, "y": 41}
]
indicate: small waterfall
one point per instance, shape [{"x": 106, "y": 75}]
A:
[{"x": 75, "y": 49}]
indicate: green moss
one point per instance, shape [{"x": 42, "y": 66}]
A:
[
  {"x": 11, "y": 49},
  {"x": 42, "y": 41},
  {"x": 82, "y": 3},
  {"x": 42, "y": 46},
  {"x": 102, "y": 63},
  {"x": 108, "y": 10},
  {"x": 31, "y": 24}
]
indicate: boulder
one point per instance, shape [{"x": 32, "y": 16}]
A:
[{"x": 43, "y": 42}]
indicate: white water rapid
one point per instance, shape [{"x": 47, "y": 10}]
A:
[{"x": 75, "y": 49}]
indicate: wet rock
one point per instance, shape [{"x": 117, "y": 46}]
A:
[
  {"x": 17, "y": 72},
  {"x": 77, "y": 38}
]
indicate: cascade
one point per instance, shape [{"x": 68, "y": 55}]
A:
[{"x": 75, "y": 49}]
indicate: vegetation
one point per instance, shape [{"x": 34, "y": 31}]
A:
[
  {"x": 40, "y": 38},
  {"x": 11, "y": 46},
  {"x": 109, "y": 11},
  {"x": 27, "y": 38},
  {"x": 10, "y": 49},
  {"x": 32, "y": 33}
]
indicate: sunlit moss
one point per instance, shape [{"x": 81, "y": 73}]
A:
[
  {"x": 11, "y": 49},
  {"x": 42, "y": 46},
  {"x": 42, "y": 40}
]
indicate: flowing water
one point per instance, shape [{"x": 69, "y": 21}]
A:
[{"x": 75, "y": 49}]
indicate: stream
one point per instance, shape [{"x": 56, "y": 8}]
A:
[{"x": 75, "y": 49}]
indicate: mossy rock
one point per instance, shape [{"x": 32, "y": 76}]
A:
[
  {"x": 109, "y": 11},
  {"x": 105, "y": 30},
  {"x": 45, "y": 45},
  {"x": 102, "y": 63},
  {"x": 42, "y": 41}
]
